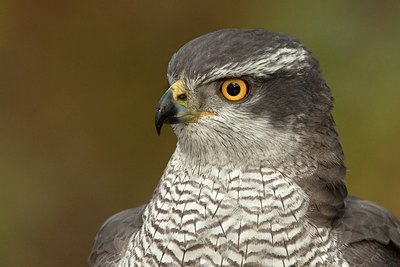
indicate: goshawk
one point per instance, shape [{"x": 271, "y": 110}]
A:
[{"x": 257, "y": 177}]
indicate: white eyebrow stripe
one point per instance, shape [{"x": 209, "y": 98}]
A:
[{"x": 261, "y": 66}]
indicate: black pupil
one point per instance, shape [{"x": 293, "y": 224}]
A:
[{"x": 233, "y": 89}]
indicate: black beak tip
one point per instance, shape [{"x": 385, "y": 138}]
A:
[
  {"x": 158, "y": 128},
  {"x": 159, "y": 121}
]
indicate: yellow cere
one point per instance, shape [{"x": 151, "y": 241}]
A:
[{"x": 178, "y": 89}]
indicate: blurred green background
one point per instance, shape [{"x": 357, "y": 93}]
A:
[{"x": 79, "y": 82}]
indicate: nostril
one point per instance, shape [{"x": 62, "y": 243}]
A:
[{"x": 182, "y": 97}]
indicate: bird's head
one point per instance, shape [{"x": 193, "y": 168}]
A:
[{"x": 250, "y": 94}]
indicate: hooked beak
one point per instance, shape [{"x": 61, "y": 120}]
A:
[{"x": 173, "y": 107}]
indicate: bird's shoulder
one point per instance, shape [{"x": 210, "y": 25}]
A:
[
  {"x": 113, "y": 236},
  {"x": 370, "y": 234}
]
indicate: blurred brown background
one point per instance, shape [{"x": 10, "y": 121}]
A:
[{"x": 79, "y": 82}]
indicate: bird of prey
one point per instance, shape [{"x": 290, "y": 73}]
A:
[{"x": 257, "y": 176}]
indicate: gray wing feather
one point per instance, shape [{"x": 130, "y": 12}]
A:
[
  {"x": 112, "y": 238},
  {"x": 371, "y": 234},
  {"x": 371, "y": 254}
]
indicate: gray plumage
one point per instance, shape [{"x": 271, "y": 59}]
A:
[
  {"x": 112, "y": 238},
  {"x": 256, "y": 182}
]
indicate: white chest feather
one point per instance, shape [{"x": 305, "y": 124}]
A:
[{"x": 229, "y": 217}]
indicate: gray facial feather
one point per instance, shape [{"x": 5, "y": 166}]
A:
[{"x": 236, "y": 52}]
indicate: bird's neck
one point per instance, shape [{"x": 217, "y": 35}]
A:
[{"x": 314, "y": 163}]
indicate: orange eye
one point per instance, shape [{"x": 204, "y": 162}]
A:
[{"x": 234, "y": 89}]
